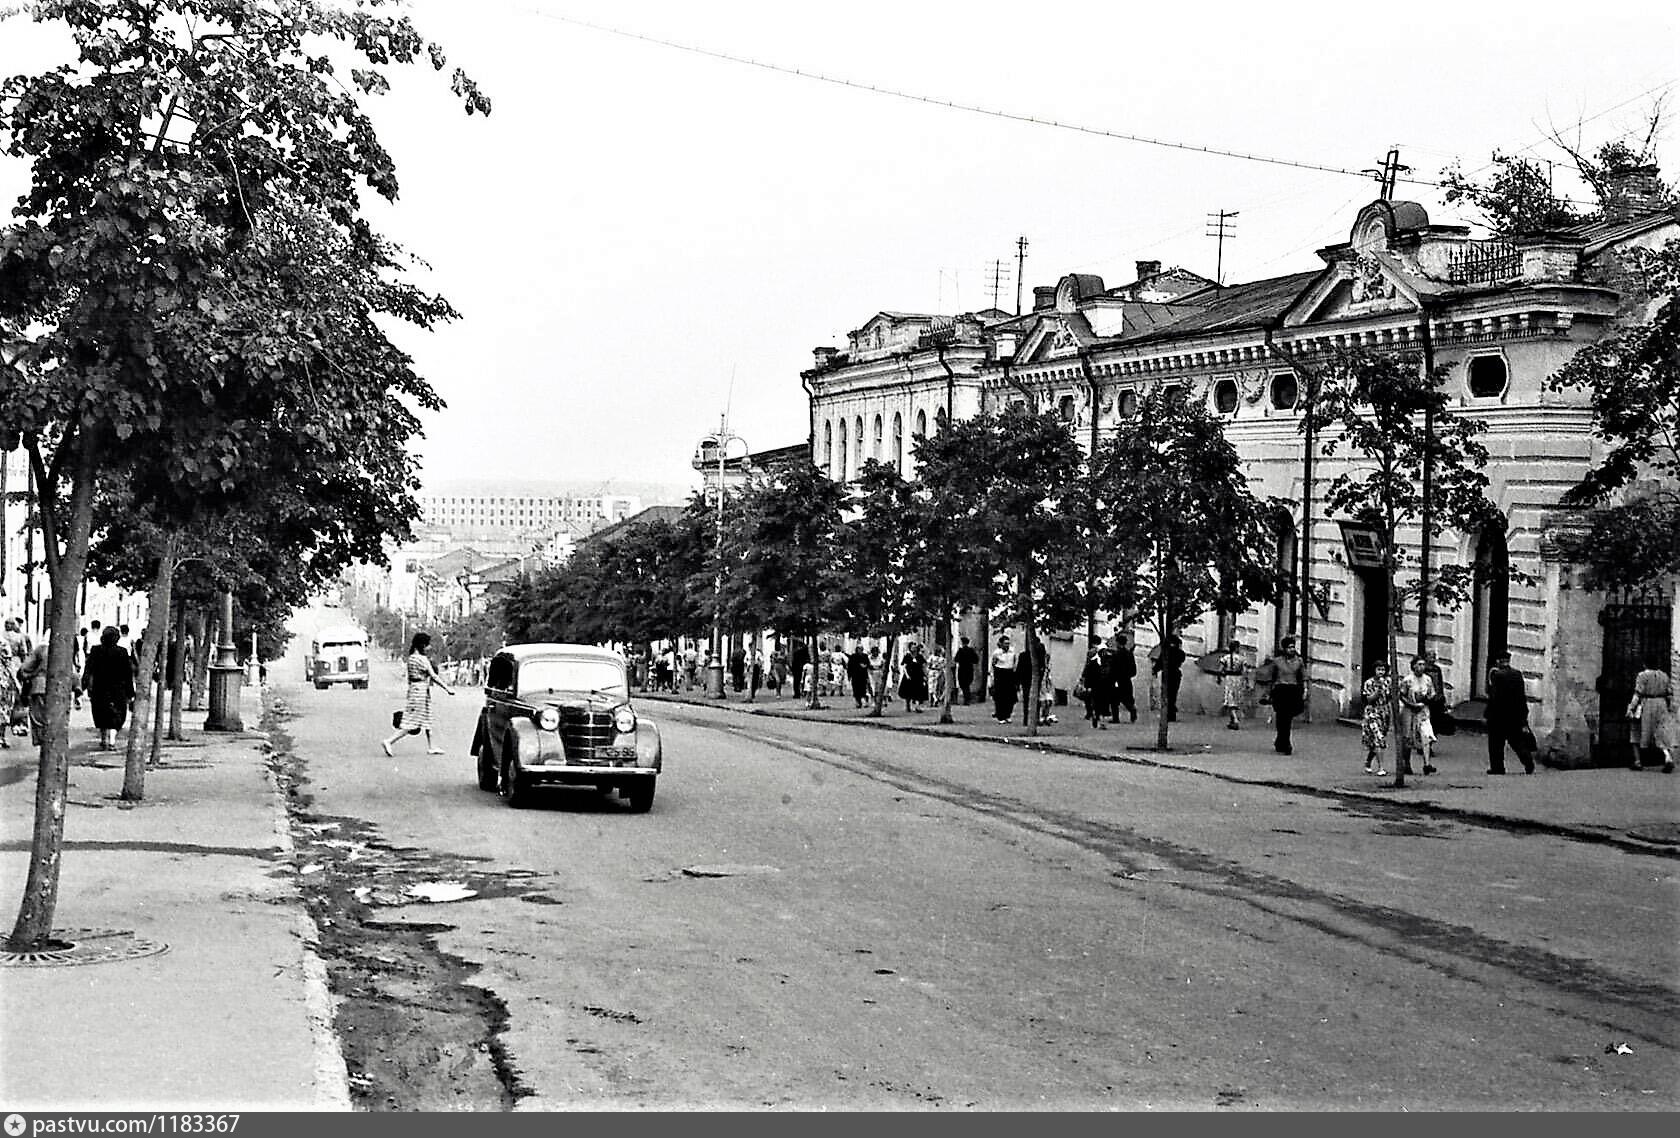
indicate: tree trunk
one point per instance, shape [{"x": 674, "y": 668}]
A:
[
  {"x": 156, "y": 756},
  {"x": 950, "y": 667},
  {"x": 33, "y": 930},
  {"x": 1161, "y": 723},
  {"x": 178, "y": 662},
  {"x": 1031, "y": 634},
  {"x": 815, "y": 703},
  {"x": 157, "y": 622},
  {"x": 200, "y": 661}
]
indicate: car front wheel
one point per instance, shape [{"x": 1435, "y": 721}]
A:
[
  {"x": 640, "y": 795},
  {"x": 514, "y": 787}
]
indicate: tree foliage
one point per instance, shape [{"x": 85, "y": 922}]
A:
[
  {"x": 198, "y": 299},
  {"x": 1632, "y": 382},
  {"x": 1171, "y": 525}
]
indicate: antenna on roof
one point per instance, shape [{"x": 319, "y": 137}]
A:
[
  {"x": 1219, "y": 226},
  {"x": 1020, "y": 269},
  {"x": 1390, "y": 172}
]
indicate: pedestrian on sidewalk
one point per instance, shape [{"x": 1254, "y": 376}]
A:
[
  {"x": 32, "y": 678},
  {"x": 11, "y": 694},
  {"x": 1415, "y": 734},
  {"x": 417, "y": 703},
  {"x": 1233, "y": 685},
  {"x": 108, "y": 677},
  {"x": 1289, "y": 692},
  {"x": 778, "y": 668},
  {"x": 1095, "y": 689},
  {"x": 938, "y": 677},
  {"x": 1003, "y": 681},
  {"x": 1507, "y": 715},
  {"x": 1377, "y": 716},
  {"x": 1654, "y": 692},
  {"x": 797, "y": 665},
  {"x": 1169, "y": 665},
  {"x": 912, "y": 682},
  {"x": 1120, "y": 661},
  {"x": 1440, "y": 720},
  {"x": 968, "y": 661},
  {"x": 858, "y": 667}
]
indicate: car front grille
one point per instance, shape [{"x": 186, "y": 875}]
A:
[{"x": 583, "y": 731}]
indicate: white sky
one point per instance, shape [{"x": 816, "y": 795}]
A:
[{"x": 638, "y": 235}]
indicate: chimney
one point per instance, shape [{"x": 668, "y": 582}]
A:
[
  {"x": 1044, "y": 298},
  {"x": 1632, "y": 192},
  {"x": 1147, "y": 269},
  {"x": 825, "y": 356}
]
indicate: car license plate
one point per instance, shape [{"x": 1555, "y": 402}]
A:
[{"x": 615, "y": 753}]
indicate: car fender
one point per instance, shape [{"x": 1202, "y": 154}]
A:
[
  {"x": 649, "y": 750},
  {"x": 481, "y": 738},
  {"x": 535, "y": 745}
]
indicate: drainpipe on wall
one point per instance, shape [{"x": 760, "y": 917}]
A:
[
  {"x": 1426, "y": 539},
  {"x": 1304, "y": 549}
]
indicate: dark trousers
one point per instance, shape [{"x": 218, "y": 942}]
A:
[
  {"x": 860, "y": 687},
  {"x": 965, "y": 680},
  {"x": 1286, "y": 705},
  {"x": 1499, "y": 734},
  {"x": 1003, "y": 692},
  {"x": 1122, "y": 697},
  {"x": 1170, "y": 682}
]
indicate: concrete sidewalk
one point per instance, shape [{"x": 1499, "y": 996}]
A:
[
  {"x": 1635, "y": 810},
  {"x": 234, "y": 1013}
]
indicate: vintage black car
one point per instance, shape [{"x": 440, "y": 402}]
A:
[{"x": 561, "y": 714}]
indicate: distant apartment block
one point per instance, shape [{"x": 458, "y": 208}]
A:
[{"x": 493, "y": 514}]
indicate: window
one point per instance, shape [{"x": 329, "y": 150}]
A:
[
  {"x": 875, "y": 451},
  {"x": 1172, "y": 393},
  {"x": 898, "y": 442},
  {"x": 921, "y": 424},
  {"x": 840, "y": 474},
  {"x": 828, "y": 448},
  {"x": 1487, "y": 377},
  {"x": 857, "y": 443},
  {"x": 1225, "y": 397},
  {"x": 1285, "y": 391},
  {"x": 1126, "y": 404},
  {"x": 501, "y": 673}
]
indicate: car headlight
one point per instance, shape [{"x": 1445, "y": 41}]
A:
[
  {"x": 624, "y": 719},
  {"x": 548, "y": 718}
]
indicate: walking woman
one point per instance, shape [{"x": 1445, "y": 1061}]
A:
[
  {"x": 10, "y": 693},
  {"x": 1233, "y": 685},
  {"x": 108, "y": 677},
  {"x": 417, "y": 705},
  {"x": 1415, "y": 734},
  {"x": 1655, "y": 695},
  {"x": 1377, "y": 717}
]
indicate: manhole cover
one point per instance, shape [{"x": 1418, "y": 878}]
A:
[{"x": 84, "y": 946}]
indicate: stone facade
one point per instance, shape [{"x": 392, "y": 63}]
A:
[{"x": 1497, "y": 318}]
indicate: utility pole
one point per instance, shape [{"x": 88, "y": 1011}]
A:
[
  {"x": 1219, "y": 226},
  {"x": 1020, "y": 270}
]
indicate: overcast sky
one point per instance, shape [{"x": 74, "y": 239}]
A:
[{"x": 640, "y": 236}]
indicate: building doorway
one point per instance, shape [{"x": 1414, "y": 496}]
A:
[
  {"x": 1376, "y": 613},
  {"x": 1490, "y": 605},
  {"x": 1636, "y": 625}
]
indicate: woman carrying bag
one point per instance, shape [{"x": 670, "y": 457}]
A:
[{"x": 416, "y": 715}]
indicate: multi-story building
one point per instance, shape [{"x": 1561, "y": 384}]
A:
[
  {"x": 487, "y": 515},
  {"x": 1496, "y": 318}
]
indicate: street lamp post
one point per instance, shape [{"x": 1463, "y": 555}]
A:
[
  {"x": 225, "y": 675},
  {"x": 720, "y": 442}
]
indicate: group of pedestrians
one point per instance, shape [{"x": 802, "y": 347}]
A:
[{"x": 104, "y": 671}]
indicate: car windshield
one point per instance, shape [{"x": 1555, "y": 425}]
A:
[{"x": 571, "y": 673}]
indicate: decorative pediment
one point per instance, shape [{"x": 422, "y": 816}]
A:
[
  {"x": 1057, "y": 337},
  {"x": 1357, "y": 283}
]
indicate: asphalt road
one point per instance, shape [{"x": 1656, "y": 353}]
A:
[{"x": 849, "y": 918}]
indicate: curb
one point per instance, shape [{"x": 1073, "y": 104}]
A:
[
  {"x": 332, "y": 1076},
  {"x": 1483, "y": 817}
]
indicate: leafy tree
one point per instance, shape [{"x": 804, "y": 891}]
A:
[
  {"x": 998, "y": 480},
  {"x": 188, "y": 271},
  {"x": 877, "y": 551},
  {"x": 1392, "y": 421},
  {"x": 1632, "y": 380},
  {"x": 782, "y": 553},
  {"x": 1167, "y": 510}
]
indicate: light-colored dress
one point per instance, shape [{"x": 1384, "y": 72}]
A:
[
  {"x": 1233, "y": 682},
  {"x": 1378, "y": 715},
  {"x": 1415, "y": 693},
  {"x": 9, "y": 691},
  {"x": 1652, "y": 687},
  {"x": 417, "y": 706}
]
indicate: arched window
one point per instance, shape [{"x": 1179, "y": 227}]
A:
[
  {"x": 828, "y": 448},
  {"x": 1288, "y": 615},
  {"x": 857, "y": 444},
  {"x": 1285, "y": 390},
  {"x": 1126, "y": 404},
  {"x": 1225, "y": 397},
  {"x": 1066, "y": 408},
  {"x": 898, "y": 442},
  {"x": 921, "y": 424},
  {"x": 1487, "y": 377},
  {"x": 841, "y": 475},
  {"x": 941, "y": 417},
  {"x": 875, "y": 450},
  {"x": 1490, "y": 605}
]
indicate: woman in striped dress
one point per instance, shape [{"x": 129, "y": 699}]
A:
[{"x": 417, "y": 705}]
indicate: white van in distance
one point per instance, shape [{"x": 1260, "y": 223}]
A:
[{"x": 337, "y": 656}]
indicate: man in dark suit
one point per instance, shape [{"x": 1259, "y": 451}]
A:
[
  {"x": 967, "y": 660},
  {"x": 1121, "y": 663},
  {"x": 1507, "y": 715}
]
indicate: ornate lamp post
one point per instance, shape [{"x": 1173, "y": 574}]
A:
[
  {"x": 225, "y": 676},
  {"x": 716, "y": 446}
]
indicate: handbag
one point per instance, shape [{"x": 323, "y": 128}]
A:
[
  {"x": 1527, "y": 741},
  {"x": 1079, "y": 690},
  {"x": 1636, "y": 706}
]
